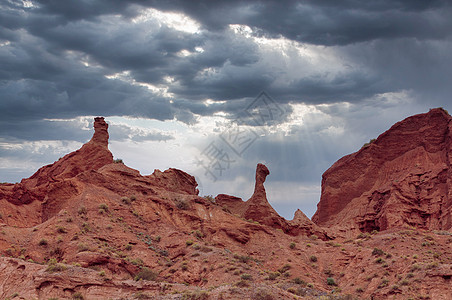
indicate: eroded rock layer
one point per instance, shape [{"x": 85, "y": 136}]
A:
[{"x": 401, "y": 178}]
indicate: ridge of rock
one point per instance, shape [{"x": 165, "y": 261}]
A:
[
  {"x": 91, "y": 156},
  {"x": 401, "y": 178},
  {"x": 258, "y": 209}
]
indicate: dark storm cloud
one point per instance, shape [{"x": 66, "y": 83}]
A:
[
  {"x": 124, "y": 133},
  {"x": 324, "y": 22},
  {"x": 55, "y": 55}
]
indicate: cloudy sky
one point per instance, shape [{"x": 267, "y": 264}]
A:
[{"x": 181, "y": 82}]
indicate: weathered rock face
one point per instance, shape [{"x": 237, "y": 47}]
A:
[
  {"x": 402, "y": 178},
  {"x": 258, "y": 209}
]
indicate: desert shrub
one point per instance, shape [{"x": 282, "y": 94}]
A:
[
  {"x": 210, "y": 198},
  {"x": 415, "y": 267},
  {"x": 246, "y": 277},
  {"x": 377, "y": 252},
  {"x": 313, "y": 258},
  {"x": 82, "y": 210},
  {"x": 379, "y": 260},
  {"x": 383, "y": 283},
  {"x": 292, "y": 245},
  {"x": 195, "y": 295},
  {"x": 404, "y": 282},
  {"x": 330, "y": 281},
  {"x": 297, "y": 280},
  {"x": 125, "y": 200},
  {"x": 78, "y": 296},
  {"x": 103, "y": 208},
  {"x": 262, "y": 294},
  {"x": 137, "y": 262},
  {"x": 133, "y": 198},
  {"x": 157, "y": 238},
  {"x": 182, "y": 204},
  {"x": 313, "y": 237},
  {"x": 242, "y": 283},
  {"x": 189, "y": 243},
  {"x": 43, "y": 242},
  {"x": 56, "y": 268},
  {"x": 198, "y": 234},
  {"x": 242, "y": 258},
  {"x": 142, "y": 296},
  {"x": 85, "y": 227},
  {"x": 118, "y": 161},
  {"x": 128, "y": 247},
  {"x": 82, "y": 247},
  {"x": 145, "y": 274},
  {"x": 273, "y": 275},
  {"x": 61, "y": 229},
  {"x": 284, "y": 268}
]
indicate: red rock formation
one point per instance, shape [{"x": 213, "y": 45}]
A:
[
  {"x": 87, "y": 227},
  {"x": 258, "y": 209},
  {"x": 401, "y": 178}
]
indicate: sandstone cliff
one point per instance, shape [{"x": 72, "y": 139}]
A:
[{"x": 401, "y": 178}]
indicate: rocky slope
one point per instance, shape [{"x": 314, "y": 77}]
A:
[
  {"x": 401, "y": 178},
  {"x": 86, "y": 227}
]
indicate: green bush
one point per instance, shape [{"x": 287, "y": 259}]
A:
[
  {"x": 377, "y": 252},
  {"x": 330, "y": 281},
  {"x": 145, "y": 274},
  {"x": 313, "y": 258}
]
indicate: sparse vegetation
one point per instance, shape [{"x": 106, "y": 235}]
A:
[
  {"x": 53, "y": 266},
  {"x": 43, "y": 242},
  {"x": 292, "y": 245},
  {"x": 61, "y": 229},
  {"x": 284, "y": 268},
  {"x": 103, "y": 208},
  {"x": 297, "y": 280},
  {"x": 273, "y": 275},
  {"x": 368, "y": 144},
  {"x": 78, "y": 296},
  {"x": 313, "y": 258},
  {"x": 379, "y": 260},
  {"x": 82, "y": 211},
  {"x": 118, "y": 161},
  {"x": 195, "y": 295},
  {"x": 145, "y": 274},
  {"x": 330, "y": 281},
  {"x": 182, "y": 204},
  {"x": 377, "y": 252}
]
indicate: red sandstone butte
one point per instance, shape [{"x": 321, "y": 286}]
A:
[{"x": 401, "y": 178}]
